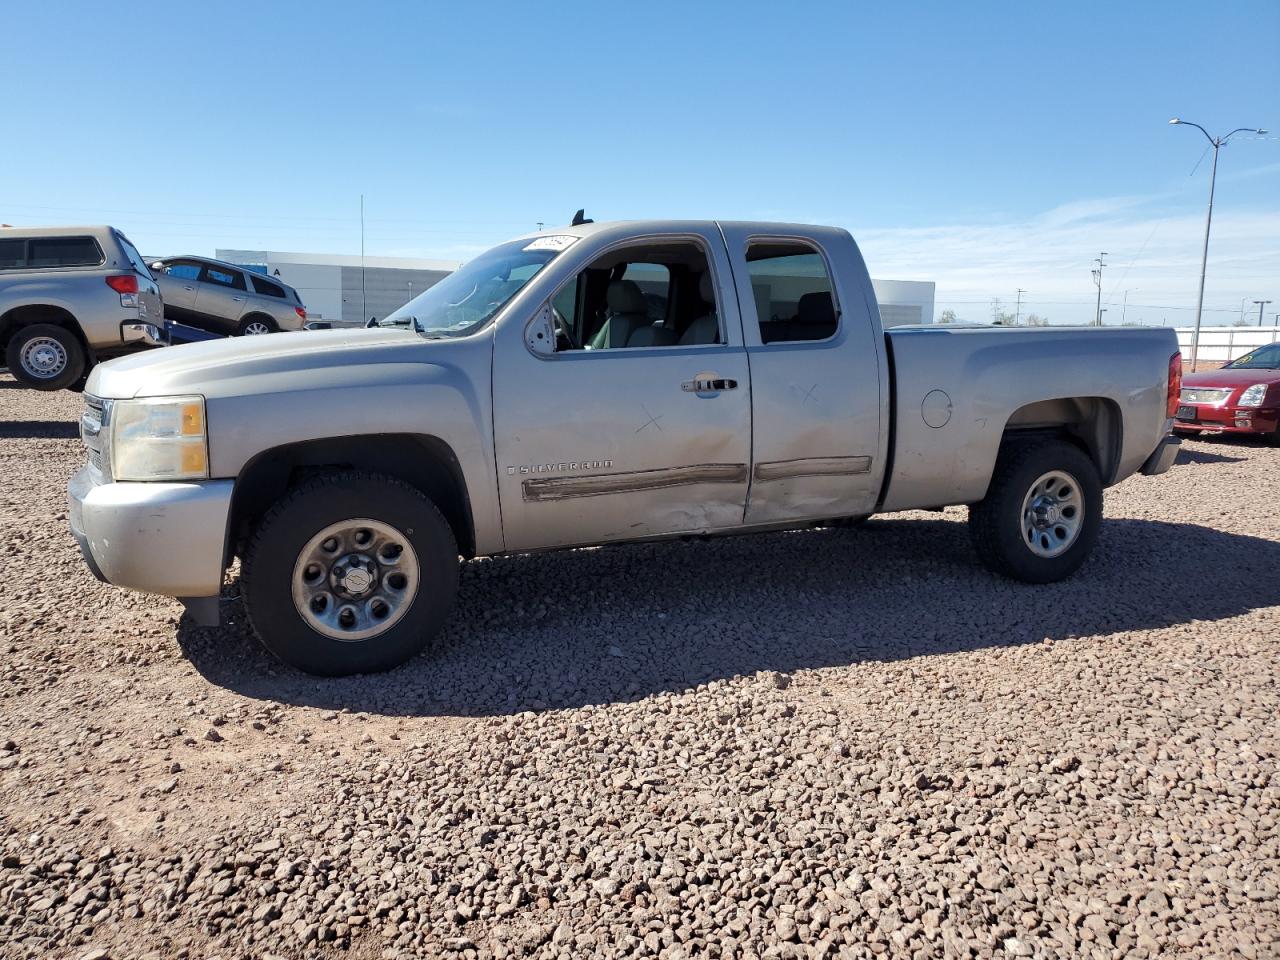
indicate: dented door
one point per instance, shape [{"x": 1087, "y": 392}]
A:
[{"x": 601, "y": 445}]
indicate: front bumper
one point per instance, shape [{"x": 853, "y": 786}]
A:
[
  {"x": 1210, "y": 419},
  {"x": 167, "y": 538}
]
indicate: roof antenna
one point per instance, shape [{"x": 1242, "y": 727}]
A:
[{"x": 579, "y": 218}]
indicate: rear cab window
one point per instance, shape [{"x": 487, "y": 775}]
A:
[{"x": 792, "y": 289}]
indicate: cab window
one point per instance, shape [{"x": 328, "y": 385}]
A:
[
  {"x": 792, "y": 289},
  {"x": 649, "y": 295}
]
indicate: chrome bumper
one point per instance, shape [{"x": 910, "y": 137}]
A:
[
  {"x": 1163, "y": 457},
  {"x": 164, "y": 538}
]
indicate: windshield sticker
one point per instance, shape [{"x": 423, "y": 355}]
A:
[{"x": 558, "y": 242}]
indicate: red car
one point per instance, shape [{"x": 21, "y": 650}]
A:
[{"x": 1241, "y": 397}]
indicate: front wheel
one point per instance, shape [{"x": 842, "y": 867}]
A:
[
  {"x": 45, "y": 356},
  {"x": 350, "y": 573},
  {"x": 1042, "y": 513}
]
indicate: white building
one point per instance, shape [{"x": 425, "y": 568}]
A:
[{"x": 334, "y": 287}]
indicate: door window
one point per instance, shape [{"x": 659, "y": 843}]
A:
[
  {"x": 223, "y": 278},
  {"x": 657, "y": 295},
  {"x": 183, "y": 271},
  {"x": 792, "y": 289}
]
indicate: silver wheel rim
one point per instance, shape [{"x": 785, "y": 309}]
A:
[
  {"x": 355, "y": 579},
  {"x": 1052, "y": 514},
  {"x": 43, "y": 358},
  {"x": 256, "y": 328}
]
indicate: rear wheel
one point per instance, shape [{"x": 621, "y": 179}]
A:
[
  {"x": 350, "y": 573},
  {"x": 1042, "y": 513},
  {"x": 256, "y": 326},
  {"x": 45, "y": 356}
]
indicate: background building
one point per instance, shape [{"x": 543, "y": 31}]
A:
[{"x": 334, "y": 287}]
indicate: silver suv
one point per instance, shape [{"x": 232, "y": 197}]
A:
[
  {"x": 223, "y": 298},
  {"x": 69, "y": 297}
]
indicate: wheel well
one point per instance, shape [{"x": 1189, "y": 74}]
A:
[
  {"x": 1092, "y": 423},
  {"x": 259, "y": 315},
  {"x": 425, "y": 462},
  {"x": 31, "y": 313}
]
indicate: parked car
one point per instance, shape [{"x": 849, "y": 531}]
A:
[
  {"x": 349, "y": 469},
  {"x": 226, "y": 299},
  {"x": 69, "y": 297},
  {"x": 1242, "y": 396}
]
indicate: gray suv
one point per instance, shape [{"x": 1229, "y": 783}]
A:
[
  {"x": 227, "y": 299},
  {"x": 69, "y": 297}
]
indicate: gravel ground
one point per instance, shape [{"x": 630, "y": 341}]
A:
[{"x": 822, "y": 744}]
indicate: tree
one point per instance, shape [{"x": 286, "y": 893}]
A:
[
  {"x": 948, "y": 316},
  {"x": 1035, "y": 320}
]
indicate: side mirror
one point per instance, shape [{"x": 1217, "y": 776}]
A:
[
  {"x": 158, "y": 266},
  {"x": 540, "y": 334}
]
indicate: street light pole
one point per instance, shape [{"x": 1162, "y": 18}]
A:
[
  {"x": 1208, "y": 221},
  {"x": 1097, "y": 279},
  {"x": 1261, "y": 304}
]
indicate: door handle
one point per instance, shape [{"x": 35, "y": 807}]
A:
[
  {"x": 708, "y": 385},
  {"x": 238, "y": 299},
  {"x": 188, "y": 288}
]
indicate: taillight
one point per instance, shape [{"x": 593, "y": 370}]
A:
[
  {"x": 123, "y": 283},
  {"x": 1175, "y": 384},
  {"x": 301, "y": 312}
]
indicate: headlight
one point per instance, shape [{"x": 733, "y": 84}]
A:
[
  {"x": 1253, "y": 396},
  {"x": 159, "y": 438}
]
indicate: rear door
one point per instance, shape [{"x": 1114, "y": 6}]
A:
[{"x": 816, "y": 398}]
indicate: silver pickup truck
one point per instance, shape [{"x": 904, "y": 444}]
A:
[{"x": 602, "y": 383}]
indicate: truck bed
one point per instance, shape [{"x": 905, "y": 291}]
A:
[{"x": 955, "y": 389}]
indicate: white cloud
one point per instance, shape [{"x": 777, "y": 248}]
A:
[{"x": 1157, "y": 258}]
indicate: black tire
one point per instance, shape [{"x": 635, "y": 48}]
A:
[
  {"x": 275, "y": 548},
  {"x": 243, "y": 326},
  {"x": 996, "y": 525},
  {"x": 64, "y": 351}
]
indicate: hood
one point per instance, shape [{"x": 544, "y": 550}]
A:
[
  {"x": 1228, "y": 377},
  {"x": 210, "y": 367}
]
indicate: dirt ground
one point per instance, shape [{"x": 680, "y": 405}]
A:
[{"x": 819, "y": 744}]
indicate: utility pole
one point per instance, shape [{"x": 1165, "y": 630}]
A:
[
  {"x": 1017, "y": 317},
  {"x": 364, "y": 286},
  {"x": 1208, "y": 220},
  {"x": 540, "y": 225},
  {"x": 1097, "y": 281},
  {"x": 1125, "y": 308},
  {"x": 1261, "y": 304}
]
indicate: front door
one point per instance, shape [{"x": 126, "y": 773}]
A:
[
  {"x": 639, "y": 423},
  {"x": 222, "y": 297}
]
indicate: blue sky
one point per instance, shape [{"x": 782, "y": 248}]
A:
[{"x": 984, "y": 146}]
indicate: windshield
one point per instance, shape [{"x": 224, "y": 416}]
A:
[
  {"x": 1264, "y": 358},
  {"x": 468, "y": 298}
]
